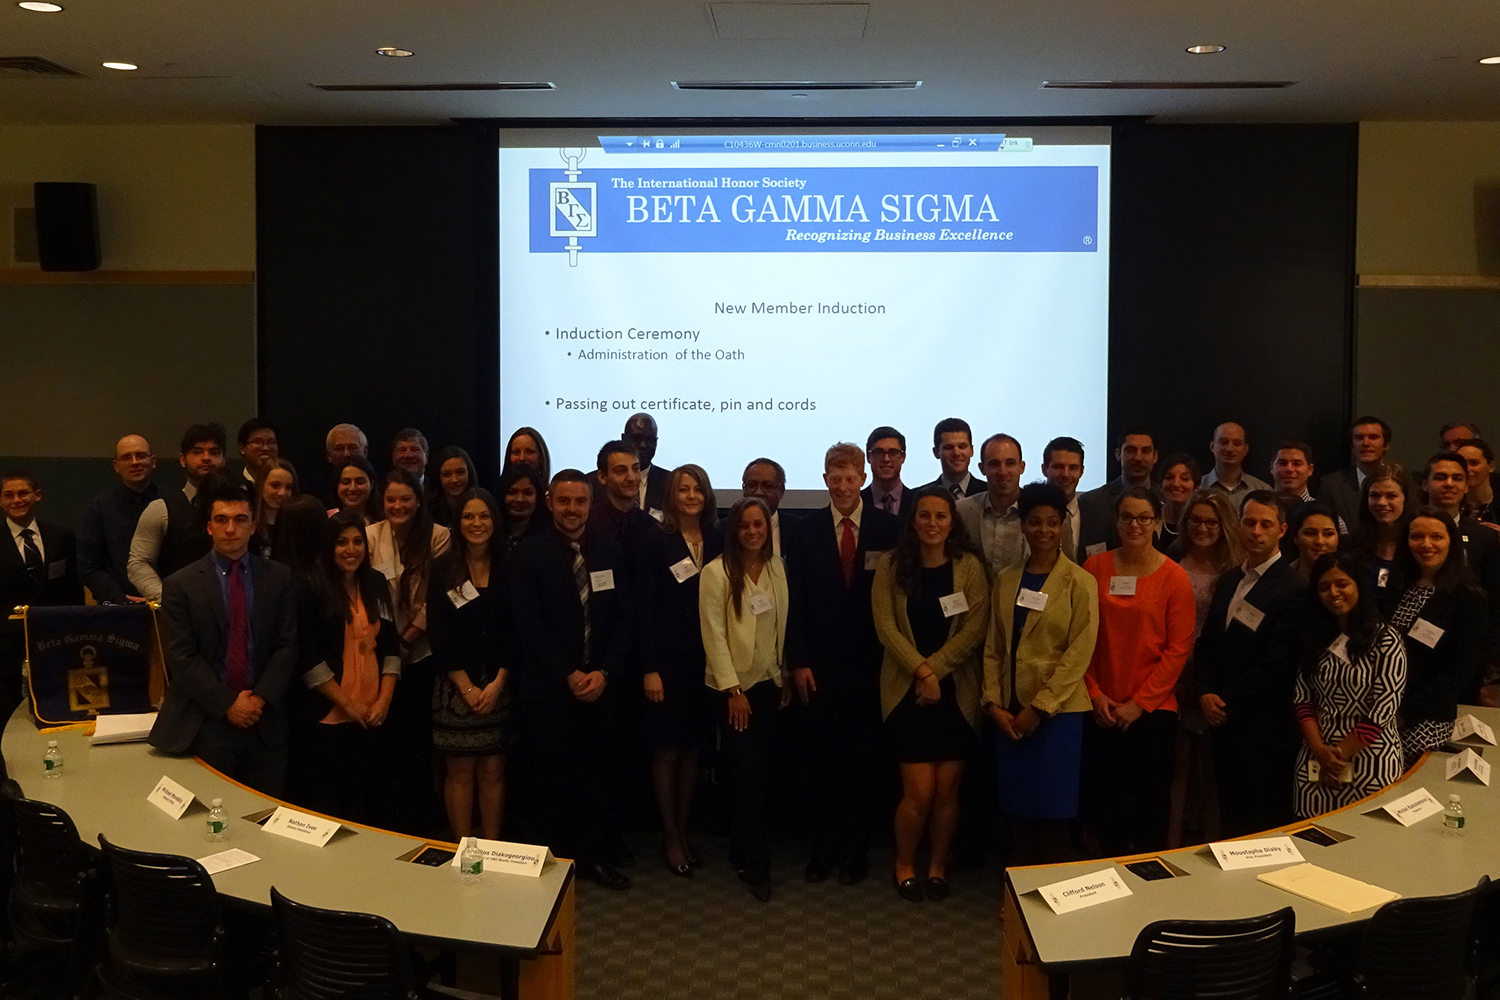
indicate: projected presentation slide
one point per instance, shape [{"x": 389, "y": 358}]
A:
[{"x": 775, "y": 294}]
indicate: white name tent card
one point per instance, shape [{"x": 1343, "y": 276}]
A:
[
  {"x": 1329, "y": 888},
  {"x": 1236, "y": 854},
  {"x": 954, "y": 604},
  {"x": 512, "y": 859},
  {"x": 170, "y": 797},
  {"x": 684, "y": 569},
  {"x": 225, "y": 860},
  {"x": 1088, "y": 890},
  {"x": 602, "y": 580},
  {"x": 124, "y": 728},
  {"x": 1471, "y": 762},
  {"x": 1033, "y": 600},
  {"x": 1413, "y": 808},
  {"x": 294, "y": 825},
  {"x": 1466, "y": 727},
  {"x": 1122, "y": 586}
]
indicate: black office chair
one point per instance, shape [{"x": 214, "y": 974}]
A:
[
  {"x": 1487, "y": 944},
  {"x": 166, "y": 935},
  {"x": 55, "y": 901},
  {"x": 1249, "y": 959},
  {"x": 332, "y": 954}
]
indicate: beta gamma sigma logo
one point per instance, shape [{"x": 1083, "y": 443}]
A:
[{"x": 575, "y": 204}]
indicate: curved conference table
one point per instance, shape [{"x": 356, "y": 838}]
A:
[
  {"x": 514, "y": 934},
  {"x": 1040, "y": 948}
]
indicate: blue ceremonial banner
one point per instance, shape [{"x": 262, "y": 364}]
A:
[
  {"x": 1051, "y": 209},
  {"x": 89, "y": 660}
]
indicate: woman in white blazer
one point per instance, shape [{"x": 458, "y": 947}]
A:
[{"x": 742, "y": 606}]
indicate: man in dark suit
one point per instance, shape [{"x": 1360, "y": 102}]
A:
[
  {"x": 1062, "y": 466},
  {"x": 259, "y": 447},
  {"x": 1370, "y": 437},
  {"x": 1137, "y": 454},
  {"x": 1445, "y": 481},
  {"x": 38, "y": 565},
  {"x": 765, "y": 478},
  {"x": 109, "y": 523},
  {"x": 570, "y": 598},
  {"x": 640, "y": 434},
  {"x": 229, "y": 621},
  {"x": 953, "y": 446},
  {"x": 835, "y": 659},
  {"x": 1246, "y": 667},
  {"x": 886, "y": 450},
  {"x": 614, "y": 510}
]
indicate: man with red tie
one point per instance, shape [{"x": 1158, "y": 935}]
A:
[
  {"x": 835, "y": 659},
  {"x": 229, "y": 625}
]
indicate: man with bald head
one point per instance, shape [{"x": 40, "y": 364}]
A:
[
  {"x": 109, "y": 523},
  {"x": 1230, "y": 445},
  {"x": 640, "y": 434}
]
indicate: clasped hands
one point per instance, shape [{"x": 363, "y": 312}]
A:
[
  {"x": 1333, "y": 761},
  {"x": 245, "y": 712},
  {"x": 482, "y": 700},
  {"x": 589, "y": 686},
  {"x": 1015, "y": 725},
  {"x": 1111, "y": 714}
]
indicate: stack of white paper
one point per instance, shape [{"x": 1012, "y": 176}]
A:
[
  {"x": 122, "y": 728},
  {"x": 1329, "y": 888}
]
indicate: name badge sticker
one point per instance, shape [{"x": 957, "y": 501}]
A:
[
  {"x": 954, "y": 604},
  {"x": 1094, "y": 550},
  {"x": 760, "y": 604},
  {"x": 1089, "y": 890},
  {"x": 656, "y": 513},
  {"x": 602, "y": 580},
  {"x": 1122, "y": 586},
  {"x": 872, "y": 559},
  {"x": 170, "y": 797},
  {"x": 463, "y": 595},
  {"x": 1033, "y": 600},
  {"x": 1249, "y": 615},
  {"x": 1340, "y": 648},
  {"x": 1425, "y": 632},
  {"x": 684, "y": 569},
  {"x": 1383, "y": 577},
  {"x": 55, "y": 571},
  {"x": 1236, "y": 854}
]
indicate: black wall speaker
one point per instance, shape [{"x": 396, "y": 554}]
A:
[{"x": 67, "y": 226}]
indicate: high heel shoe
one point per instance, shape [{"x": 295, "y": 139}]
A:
[
  {"x": 684, "y": 870},
  {"x": 910, "y": 889}
]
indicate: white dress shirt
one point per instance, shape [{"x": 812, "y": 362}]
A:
[
  {"x": 1252, "y": 576},
  {"x": 854, "y": 518}
]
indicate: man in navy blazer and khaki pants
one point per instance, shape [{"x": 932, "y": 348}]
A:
[{"x": 230, "y": 630}]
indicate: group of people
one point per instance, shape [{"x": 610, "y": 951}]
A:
[{"x": 1179, "y": 653}]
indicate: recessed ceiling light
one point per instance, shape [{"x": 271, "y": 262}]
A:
[
  {"x": 120, "y": 65},
  {"x": 1205, "y": 50},
  {"x": 393, "y": 52},
  {"x": 1490, "y": 61},
  {"x": 45, "y": 8}
]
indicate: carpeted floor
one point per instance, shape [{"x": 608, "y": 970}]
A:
[{"x": 705, "y": 938}]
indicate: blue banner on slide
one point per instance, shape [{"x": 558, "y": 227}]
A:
[{"x": 817, "y": 209}]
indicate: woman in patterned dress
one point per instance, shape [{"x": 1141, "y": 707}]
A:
[{"x": 1348, "y": 692}]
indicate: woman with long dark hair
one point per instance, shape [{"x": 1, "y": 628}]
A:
[
  {"x": 930, "y": 600},
  {"x": 466, "y": 619},
  {"x": 1444, "y": 618},
  {"x": 1386, "y": 503},
  {"x": 522, "y": 493},
  {"x": 354, "y": 488},
  {"x": 275, "y": 484},
  {"x": 1347, "y": 692},
  {"x": 451, "y": 475},
  {"x": 1313, "y": 530},
  {"x": 347, "y": 649},
  {"x": 742, "y": 608},
  {"x": 678, "y": 714},
  {"x": 527, "y": 447}
]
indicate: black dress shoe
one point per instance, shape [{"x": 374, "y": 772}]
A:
[
  {"x": 817, "y": 869},
  {"x": 685, "y": 871},
  {"x": 910, "y": 889},
  {"x": 853, "y": 871},
  {"x": 603, "y": 875},
  {"x": 937, "y": 888},
  {"x": 618, "y": 853},
  {"x": 759, "y": 883}
]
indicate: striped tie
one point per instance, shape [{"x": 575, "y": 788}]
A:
[{"x": 581, "y": 580}]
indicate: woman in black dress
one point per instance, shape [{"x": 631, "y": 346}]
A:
[
  {"x": 931, "y": 607},
  {"x": 466, "y": 624},
  {"x": 522, "y": 494},
  {"x": 678, "y": 712}
]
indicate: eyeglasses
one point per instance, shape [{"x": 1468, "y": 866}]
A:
[
  {"x": 875, "y": 453},
  {"x": 1142, "y": 519},
  {"x": 1203, "y": 522}
]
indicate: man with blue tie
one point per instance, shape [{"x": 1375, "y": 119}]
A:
[
  {"x": 38, "y": 565},
  {"x": 229, "y": 624}
]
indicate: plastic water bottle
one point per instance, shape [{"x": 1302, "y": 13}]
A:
[
  {"x": 1453, "y": 817},
  {"x": 52, "y": 761},
  {"x": 470, "y": 862},
  {"x": 218, "y": 821}
]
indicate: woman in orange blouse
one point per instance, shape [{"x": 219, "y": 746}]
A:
[{"x": 1146, "y": 619}]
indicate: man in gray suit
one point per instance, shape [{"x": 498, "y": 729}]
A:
[
  {"x": 1370, "y": 438},
  {"x": 230, "y": 630},
  {"x": 1136, "y": 452}
]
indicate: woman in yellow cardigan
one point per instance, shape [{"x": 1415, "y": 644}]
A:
[
  {"x": 1044, "y": 621},
  {"x": 930, "y": 600}
]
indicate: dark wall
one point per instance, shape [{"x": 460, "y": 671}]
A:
[
  {"x": 1231, "y": 285},
  {"x": 378, "y": 278}
]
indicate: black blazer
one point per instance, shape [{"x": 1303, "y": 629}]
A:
[
  {"x": 666, "y": 612},
  {"x": 907, "y": 493},
  {"x": 320, "y": 640},
  {"x": 60, "y": 583},
  {"x": 470, "y": 638},
  {"x": 656, "y": 487},
  {"x": 977, "y": 484},
  {"x": 1341, "y": 491},
  {"x": 548, "y": 634},
  {"x": 1437, "y": 676},
  {"x": 1482, "y": 556},
  {"x": 830, "y": 626},
  {"x": 1254, "y": 672},
  {"x": 195, "y": 629}
]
